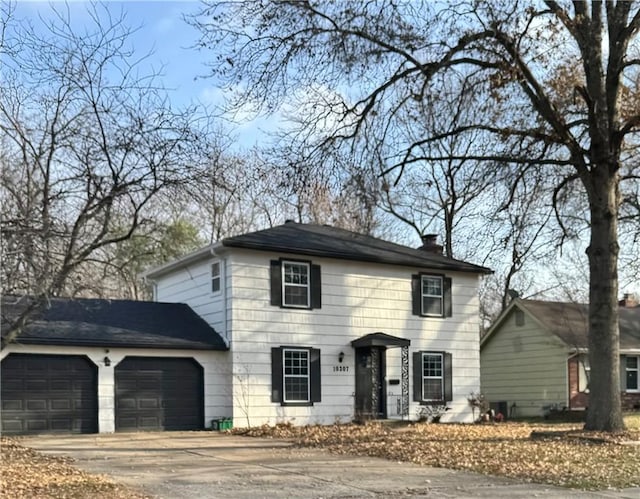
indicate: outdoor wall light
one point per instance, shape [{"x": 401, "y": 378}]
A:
[
  {"x": 340, "y": 357},
  {"x": 107, "y": 361}
]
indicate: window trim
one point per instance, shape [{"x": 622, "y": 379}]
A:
[
  {"x": 284, "y": 284},
  {"x": 628, "y": 370},
  {"x": 285, "y": 376},
  {"x": 217, "y": 277}
]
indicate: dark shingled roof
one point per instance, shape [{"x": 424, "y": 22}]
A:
[
  {"x": 332, "y": 242},
  {"x": 569, "y": 322},
  {"x": 114, "y": 323}
]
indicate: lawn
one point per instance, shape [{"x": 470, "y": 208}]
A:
[
  {"x": 560, "y": 454},
  {"x": 564, "y": 456}
]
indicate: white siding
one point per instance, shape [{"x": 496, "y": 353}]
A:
[
  {"x": 192, "y": 285},
  {"x": 357, "y": 299},
  {"x": 215, "y": 365},
  {"x": 524, "y": 365}
]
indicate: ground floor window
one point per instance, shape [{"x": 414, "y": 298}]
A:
[
  {"x": 432, "y": 377},
  {"x": 295, "y": 375},
  {"x": 632, "y": 366}
]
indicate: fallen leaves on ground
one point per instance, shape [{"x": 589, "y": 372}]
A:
[
  {"x": 561, "y": 454},
  {"x": 26, "y": 473}
]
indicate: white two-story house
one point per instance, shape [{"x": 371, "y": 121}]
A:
[
  {"x": 325, "y": 325},
  {"x": 298, "y": 323}
]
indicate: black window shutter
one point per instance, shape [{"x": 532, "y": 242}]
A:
[
  {"x": 276, "y": 375},
  {"x": 448, "y": 375},
  {"x": 316, "y": 383},
  {"x": 316, "y": 287},
  {"x": 446, "y": 285},
  {"x": 417, "y": 376},
  {"x": 416, "y": 294},
  {"x": 276, "y": 283},
  {"x": 623, "y": 373}
]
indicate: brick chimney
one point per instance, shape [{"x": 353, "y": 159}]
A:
[
  {"x": 629, "y": 300},
  {"x": 430, "y": 244}
]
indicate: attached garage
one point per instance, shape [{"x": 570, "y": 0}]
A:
[
  {"x": 87, "y": 365},
  {"x": 48, "y": 394},
  {"x": 159, "y": 393}
]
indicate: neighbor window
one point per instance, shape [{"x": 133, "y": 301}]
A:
[
  {"x": 584, "y": 373},
  {"x": 295, "y": 375},
  {"x": 632, "y": 367},
  {"x": 432, "y": 377},
  {"x": 215, "y": 277}
]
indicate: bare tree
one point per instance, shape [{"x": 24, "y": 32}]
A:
[
  {"x": 87, "y": 142},
  {"x": 510, "y": 52}
]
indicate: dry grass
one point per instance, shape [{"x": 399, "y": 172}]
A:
[{"x": 564, "y": 455}]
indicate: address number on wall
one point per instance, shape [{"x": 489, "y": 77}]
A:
[{"x": 340, "y": 369}]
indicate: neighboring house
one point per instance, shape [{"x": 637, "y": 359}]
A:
[
  {"x": 534, "y": 358},
  {"x": 323, "y": 325}
]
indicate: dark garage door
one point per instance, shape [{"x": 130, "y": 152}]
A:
[
  {"x": 159, "y": 393},
  {"x": 49, "y": 394}
]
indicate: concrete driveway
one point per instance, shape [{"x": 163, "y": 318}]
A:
[{"x": 197, "y": 465}]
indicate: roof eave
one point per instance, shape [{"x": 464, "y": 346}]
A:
[
  {"x": 469, "y": 268},
  {"x": 195, "y": 256}
]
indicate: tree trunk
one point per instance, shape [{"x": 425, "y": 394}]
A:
[{"x": 604, "y": 413}]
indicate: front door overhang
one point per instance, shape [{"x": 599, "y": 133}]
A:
[{"x": 384, "y": 340}]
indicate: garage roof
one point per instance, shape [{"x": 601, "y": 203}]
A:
[{"x": 113, "y": 323}]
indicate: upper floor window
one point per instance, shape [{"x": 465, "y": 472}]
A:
[
  {"x": 431, "y": 295},
  {"x": 295, "y": 284},
  {"x": 215, "y": 277},
  {"x": 632, "y": 367}
]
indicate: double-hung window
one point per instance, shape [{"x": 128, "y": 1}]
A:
[
  {"x": 216, "y": 277},
  {"x": 295, "y": 375},
  {"x": 295, "y": 284},
  {"x": 432, "y": 377},
  {"x": 431, "y": 295},
  {"x": 632, "y": 368}
]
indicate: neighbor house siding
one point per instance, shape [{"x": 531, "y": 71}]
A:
[
  {"x": 217, "y": 376},
  {"x": 525, "y": 366},
  {"x": 357, "y": 299}
]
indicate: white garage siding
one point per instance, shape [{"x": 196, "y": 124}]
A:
[{"x": 216, "y": 366}]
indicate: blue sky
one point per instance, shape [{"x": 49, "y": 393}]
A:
[{"x": 161, "y": 29}]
